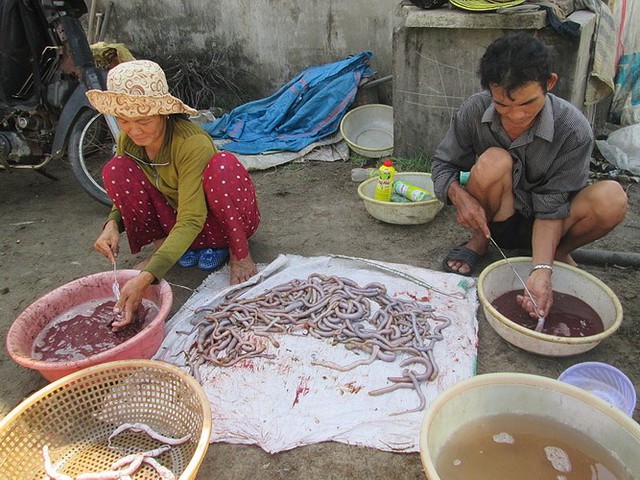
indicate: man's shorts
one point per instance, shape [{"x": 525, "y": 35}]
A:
[{"x": 514, "y": 232}]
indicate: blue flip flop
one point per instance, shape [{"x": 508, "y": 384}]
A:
[
  {"x": 189, "y": 259},
  {"x": 213, "y": 258}
]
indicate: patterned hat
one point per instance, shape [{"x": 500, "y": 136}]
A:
[{"x": 137, "y": 89}]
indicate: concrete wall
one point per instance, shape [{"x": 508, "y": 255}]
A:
[
  {"x": 258, "y": 45},
  {"x": 261, "y": 43}
]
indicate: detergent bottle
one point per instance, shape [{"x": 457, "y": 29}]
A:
[
  {"x": 409, "y": 191},
  {"x": 386, "y": 173}
]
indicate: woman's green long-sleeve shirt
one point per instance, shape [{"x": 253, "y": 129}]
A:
[{"x": 186, "y": 151}]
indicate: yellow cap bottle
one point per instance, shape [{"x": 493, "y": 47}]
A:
[{"x": 386, "y": 173}]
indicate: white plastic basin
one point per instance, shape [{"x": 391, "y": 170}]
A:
[
  {"x": 368, "y": 130},
  {"x": 517, "y": 393},
  {"x": 498, "y": 278},
  {"x": 410, "y": 213}
]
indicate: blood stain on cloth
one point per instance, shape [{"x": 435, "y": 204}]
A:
[
  {"x": 303, "y": 388},
  {"x": 415, "y": 297}
]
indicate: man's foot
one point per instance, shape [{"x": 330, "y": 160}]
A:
[
  {"x": 241, "y": 270},
  {"x": 463, "y": 259}
]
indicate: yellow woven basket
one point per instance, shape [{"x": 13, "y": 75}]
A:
[{"x": 75, "y": 415}]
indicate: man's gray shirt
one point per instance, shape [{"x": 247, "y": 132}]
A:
[{"x": 551, "y": 159}]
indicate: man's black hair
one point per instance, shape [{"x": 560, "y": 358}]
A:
[{"x": 513, "y": 61}]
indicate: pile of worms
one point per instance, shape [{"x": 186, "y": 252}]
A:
[{"x": 326, "y": 307}]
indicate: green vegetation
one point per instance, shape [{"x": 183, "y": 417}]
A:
[{"x": 421, "y": 163}]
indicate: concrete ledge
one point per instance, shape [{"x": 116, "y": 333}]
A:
[{"x": 449, "y": 18}]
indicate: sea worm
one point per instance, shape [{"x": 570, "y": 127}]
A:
[
  {"x": 163, "y": 472},
  {"x": 144, "y": 428},
  {"x": 329, "y": 308},
  {"x": 49, "y": 468}
]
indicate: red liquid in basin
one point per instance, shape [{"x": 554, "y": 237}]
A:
[
  {"x": 569, "y": 316},
  {"x": 86, "y": 330}
]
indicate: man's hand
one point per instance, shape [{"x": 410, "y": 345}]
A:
[
  {"x": 130, "y": 299},
  {"x": 539, "y": 285},
  {"x": 544, "y": 241},
  {"x": 108, "y": 243},
  {"x": 469, "y": 212}
]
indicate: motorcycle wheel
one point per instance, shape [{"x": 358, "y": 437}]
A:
[{"x": 91, "y": 145}]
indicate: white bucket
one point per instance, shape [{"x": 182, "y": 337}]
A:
[
  {"x": 409, "y": 213},
  {"x": 498, "y": 278},
  {"x": 517, "y": 393}
]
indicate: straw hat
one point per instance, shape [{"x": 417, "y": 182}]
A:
[{"x": 137, "y": 89}]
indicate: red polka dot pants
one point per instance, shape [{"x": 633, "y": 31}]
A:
[{"x": 233, "y": 214}]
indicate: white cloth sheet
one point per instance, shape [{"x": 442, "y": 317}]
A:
[
  {"x": 330, "y": 149},
  {"x": 286, "y": 402}
]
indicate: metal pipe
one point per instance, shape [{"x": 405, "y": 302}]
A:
[
  {"x": 98, "y": 27},
  {"x": 105, "y": 22},
  {"x": 378, "y": 81},
  {"x": 605, "y": 257},
  {"x": 92, "y": 14}
]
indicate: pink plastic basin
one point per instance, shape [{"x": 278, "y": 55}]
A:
[{"x": 26, "y": 328}]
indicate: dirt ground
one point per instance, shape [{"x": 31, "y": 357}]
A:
[{"x": 48, "y": 228}]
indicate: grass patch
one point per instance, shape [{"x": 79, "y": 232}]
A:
[{"x": 422, "y": 163}]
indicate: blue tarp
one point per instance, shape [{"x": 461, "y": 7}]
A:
[{"x": 306, "y": 109}]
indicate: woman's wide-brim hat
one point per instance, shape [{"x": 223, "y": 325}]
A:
[{"x": 137, "y": 89}]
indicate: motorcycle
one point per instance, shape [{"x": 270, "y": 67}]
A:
[{"x": 46, "y": 66}]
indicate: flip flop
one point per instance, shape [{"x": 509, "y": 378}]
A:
[
  {"x": 212, "y": 258},
  {"x": 461, "y": 254},
  {"x": 189, "y": 258}
]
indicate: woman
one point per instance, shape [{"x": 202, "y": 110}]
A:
[{"x": 170, "y": 186}]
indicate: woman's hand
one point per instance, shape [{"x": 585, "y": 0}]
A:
[
  {"x": 108, "y": 243},
  {"x": 130, "y": 299},
  {"x": 539, "y": 285},
  {"x": 241, "y": 270}
]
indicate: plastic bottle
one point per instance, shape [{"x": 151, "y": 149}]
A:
[
  {"x": 386, "y": 173},
  {"x": 397, "y": 198},
  {"x": 412, "y": 192},
  {"x": 361, "y": 174}
]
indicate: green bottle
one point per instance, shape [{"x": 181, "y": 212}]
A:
[{"x": 411, "y": 192}]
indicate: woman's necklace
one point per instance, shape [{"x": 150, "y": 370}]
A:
[
  {"x": 156, "y": 175},
  {"x": 151, "y": 152}
]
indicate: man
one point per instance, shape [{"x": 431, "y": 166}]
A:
[{"x": 528, "y": 154}]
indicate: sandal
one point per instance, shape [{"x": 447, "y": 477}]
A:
[
  {"x": 213, "y": 258},
  {"x": 461, "y": 254},
  {"x": 189, "y": 259}
]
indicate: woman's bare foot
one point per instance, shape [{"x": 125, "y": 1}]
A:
[{"x": 241, "y": 270}]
